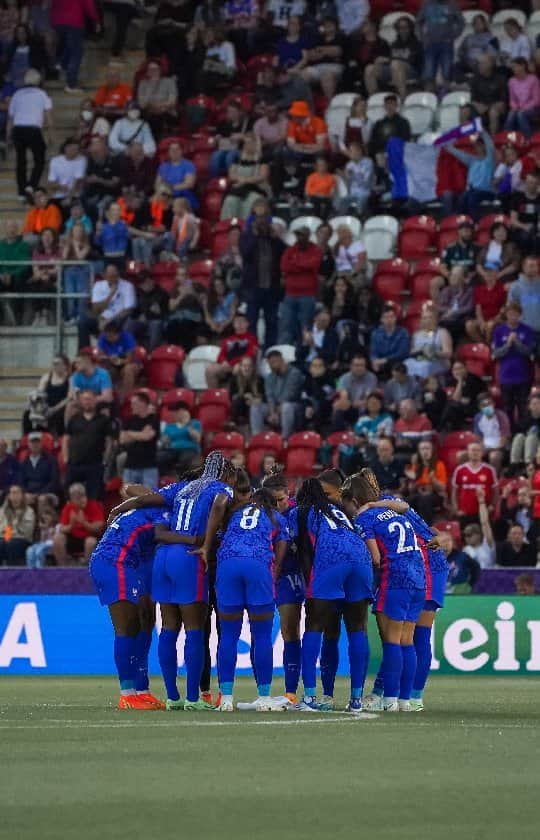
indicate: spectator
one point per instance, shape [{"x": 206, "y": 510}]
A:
[
  {"x": 477, "y": 44},
  {"x": 455, "y": 303},
  {"x": 220, "y": 307},
  {"x": 17, "y": 524},
  {"x": 24, "y": 53},
  {"x": 391, "y": 125},
  {"x": 388, "y": 343},
  {"x": 219, "y": 67},
  {"x": 499, "y": 252},
  {"x": 184, "y": 232},
  {"x": 513, "y": 344},
  {"x": 350, "y": 255},
  {"x": 514, "y": 44},
  {"x": 400, "y": 387},
  {"x": 351, "y": 15},
  {"x": 157, "y": 95},
  {"x": 479, "y": 540},
  {"x": 90, "y": 125},
  {"x": 358, "y": 126},
  {"x": 403, "y": 65},
  {"x": 283, "y": 390},
  {"x": 515, "y": 550},
  {"x": 300, "y": 266},
  {"x": 489, "y": 299},
  {"x": 112, "y": 236},
  {"x": 129, "y": 128},
  {"x": 9, "y": 468},
  {"x": 89, "y": 377},
  {"x": 38, "y": 472},
  {"x": 466, "y": 480},
  {"x": 112, "y": 97},
  {"x": 76, "y": 278},
  {"x": 43, "y": 214},
  {"x": 463, "y": 252},
  {"x": 66, "y": 172},
  {"x": 290, "y": 49},
  {"x": 411, "y": 427},
  {"x": 526, "y": 292},
  {"x": 434, "y": 400},
  {"x": 249, "y": 178},
  {"x": 323, "y": 63},
  {"x": 36, "y": 554},
  {"x": 138, "y": 171},
  {"x": 102, "y": 181},
  {"x": 369, "y": 49},
  {"x": 185, "y": 325},
  {"x": 112, "y": 298},
  {"x": 387, "y": 468},
  {"x": 524, "y": 97},
  {"x": 69, "y": 19},
  {"x": 54, "y": 385},
  {"x": 232, "y": 350},
  {"x": 116, "y": 348},
  {"x": 178, "y": 174},
  {"x": 12, "y": 277},
  {"x": 359, "y": 179},
  {"x": 429, "y": 481},
  {"x": 375, "y": 423},
  {"x": 521, "y": 511},
  {"x": 318, "y": 341},
  {"x": 524, "y": 584},
  {"x": 323, "y": 235},
  {"x": 76, "y": 216},
  {"x": 45, "y": 274},
  {"x": 230, "y": 133},
  {"x": 488, "y": 92},
  {"x": 481, "y": 167},
  {"x": 525, "y": 214},
  {"x": 150, "y": 313},
  {"x": 525, "y": 441},
  {"x": 339, "y": 298},
  {"x": 493, "y": 428},
  {"x": 86, "y": 446},
  {"x": 271, "y": 131},
  {"x": 463, "y": 391},
  {"x": 246, "y": 388},
  {"x": 320, "y": 188},
  {"x": 261, "y": 252},
  {"x": 307, "y": 135},
  {"x": 180, "y": 440},
  {"x": 29, "y": 112},
  {"x": 317, "y": 395},
  {"x": 431, "y": 347},
  {"x": 353, "y": 390},
  {"x": 139, "y": 439},
  {"x": 82, "y": 521},
  {"x": 439, "y": 23},
  {"x": 463, "y": 571}
]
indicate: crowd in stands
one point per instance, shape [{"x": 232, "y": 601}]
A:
[{"x": 246, "y": 277}]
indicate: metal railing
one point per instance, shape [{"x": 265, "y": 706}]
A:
[{"x": 58, "y": 296}]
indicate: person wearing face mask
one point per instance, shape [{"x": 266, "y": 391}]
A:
[
  {"x": 129, "y": 129},
  {"x": 493, "y": 428},
  {"x": 90, "y": 125}
]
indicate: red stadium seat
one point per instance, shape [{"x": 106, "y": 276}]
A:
[
  {"x": 228, "y": 442},
  {"x": 48, "y": 444},
  {"x": 162, "y": 366},
  {"x": 164, "y": 274},
  {"x": 205, "y": 105},
  {"x": 452, "y": 527},
  {"x": 431, "y": 265},
  {"x": 140, "y": 354},
  {"x": 259, "y": 446},
  {"x": 94, "y": 352},
  {"x": 337, "y": 439},
  {"x": 426, "y": 224},
  {"x": 163, "y": 146},
  {"x": 459, "y": 440},
  {"x": 477, "y": 358},
  {"x": 302, "y": 451},
  {"x": 201, "y": 161},
  {"x": 389, "y": 286},
  {"x": 511, "y": 138},
  {"x": 484, "y": 227},
  {"x": 173, "y": 397},
  {"x": 393, "y": 266},
  {"x": 420, "y": 286},
  {"x": 411, "y": 322},
  {"x": 212, "y": 198},
  {"x": 201, "y": 271},
  {"x": 453, "y": 222},
  {"x": 213, "y": 409},
  {"x": 414, "y": 244}
]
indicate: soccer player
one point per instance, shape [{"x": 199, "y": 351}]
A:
[
  {"x": 121, "y": 568},
  {"x": 399, "y": 600},
  {"x": 339, "y": 572},
  {"x": 256, "y": 535}
]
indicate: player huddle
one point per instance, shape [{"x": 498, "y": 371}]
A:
[{"x": 210, "y": 542}]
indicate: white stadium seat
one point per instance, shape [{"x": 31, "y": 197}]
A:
[
  {"x": 379, "y": 244},
  {"x": 389, "y": 224},
  {"x": 420, "y": 118},
  {"x": 195, "y": 365},
  {"x": 350, "y": 221},
  {"x": 387, "y": 25}
]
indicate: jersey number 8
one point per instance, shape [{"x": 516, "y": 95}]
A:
[{"x": 250, "y": 518}]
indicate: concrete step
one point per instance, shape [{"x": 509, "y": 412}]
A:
[
  {"x": 8, "y": 373},
  {"x": 11, "y": 431}
]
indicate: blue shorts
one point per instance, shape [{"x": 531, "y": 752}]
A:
[
  {"x": 117, "y": 581},
  {"x": 243, "y": 581},
  {"x": 437, "y": 590},
  {"x": 400, "y": 604},
  {"x": 290, "y": 589},
  {"x": 346, "y": 581},
  {"x": 178, "y": 577}
]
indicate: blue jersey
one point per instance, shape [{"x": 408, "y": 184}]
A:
[
  {"x": 436, "y": 557},
  {"x": 291, "y": 563},
  {"x": 334, "y": 540},
  {"x": 132, "y": 535},
  {"x": 251, "y": 532},
  {"x": 402, "y": 565},
  {"x": 190, "y": 515}
]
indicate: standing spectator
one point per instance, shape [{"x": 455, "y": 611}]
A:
[
  {"x": 353, "y": 390},
  {"x": 39, "y": 471},
  {"x": 525, "y": 442},
  {"x": 300, "y": 266},
  {"x": 102, "y": 181},
  {"x": 411, "y": 427},
  {"x": 139, "y": 438},
  {"x": 488, "y": 92},
  {"x": 25, "y": 52},
  {"x": 512, "y": 345},
  {"x": 179, "y": 175},
  {"x": 82, "y": 521},
  {"x": 12, "y": 277},
  {"x": 400, "y": 387},
  {"x": 66, "y": 172},
  {"x": 17, "y": 524},
  {"x": 261, "y": 252},
  {"x": 429, "y": 480},
  {"x": 283, "y": 392},
  {"x": 117, "y": 354},
  {"x": 391, "y": 125},
  {"x": 467, "y": 478},
  {"x": 180, "y": 438},
  {"x": 388, "y": 343},
  {"x": 69, "y": 19},
  {"x": 524, "y": 96},
  {"x": 86, "y": 445},
  {"x": 387, "y": 468},
  {"x": 431, "y": 347},
  {"x": 112, "y": 298},
  {"x": 515, "y": 550},
  {"x": 9, "y": 468},
  {"x": 112, "y": 97},
  {"x": 439, "y": 23},
  {"x": 481, "y": 168},
  {"x": 29, "y": 112},
  {"x": 526, "y": 292},
  {"x": 493, "y": 428},
  {"x": 89, "y": 376},
  {"x": 232, "y": 350}
]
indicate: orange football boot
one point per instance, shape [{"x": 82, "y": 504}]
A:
[
  {"x": 207, "y": 697},
  {"x": 149, "y": 698},
  {"x": 134, "y": 701}
]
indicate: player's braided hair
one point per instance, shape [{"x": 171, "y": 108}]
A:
[
  {"x": 368, "y": 473},
  {"x": 215, "y": 467},
  {"x": 358, "y": 488},
  {"x": 264, "y": 499},
  {"x": 312, "y": 495}
]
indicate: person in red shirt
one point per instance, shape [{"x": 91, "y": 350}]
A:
[
  {"x": 489, "y": 299},
  {"x": 411, "y": 427},
  {"x": 240, "y": 345},
  {"x": 467, "y": 478},
  {"x": 82, "y": 522},
  {"x": 300, "y": 266}
]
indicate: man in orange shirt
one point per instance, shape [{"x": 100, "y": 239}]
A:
[
  {"x": 320, "y": 188},
  {"x": 307, "y": 135},
  {"x": 44, "y": 214},
  {"x": 112, "y": 97}
]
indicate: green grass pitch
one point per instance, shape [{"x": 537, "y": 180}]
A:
[{"x": 74, "y": 768}]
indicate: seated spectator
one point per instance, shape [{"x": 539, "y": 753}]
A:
[
  {"x": 455, "y": 303},
  {"x": 116, "y": 353},
  {"x": 283, "y": 391},
  {"x": 463, "y": 571},
  {"x": 112, "y": 298},
  {"x": 431, "y": 347},
  {"x": 369, "y": 49},
  {"x": 43, "y": 214},
  {"x": 324, "y": 62},
  {"x": 158, "y": 97},
  {"x": 186, "y": 323},
  {"x": 350, "y": 255},
  {"x": 246, "y": 389},
  {"x": 525, "y": 214},
  {"x": 82, "y": 522},
  {"x": 184, "y": 233},
  {"x": 400, "y": 387},
  {"x": 149, "y": 222},
  {"x": 508, "y": 174},
  {"x": 180, "y": 441},
  {"x": 90, "y": 125},
  {"x": 434, "y": 400},
  {"x": 76, "y": 216},
  {"x": 112, "y": 97},
  {"x": 66, "y": 172},
  {"x": 515, "y": 550},
  {"x": 130, "y": 128},
  {"x": 54, "y": 385},
  {"x": 477, "y": 44},
  {"x": 307, "y": 135},
  {"x": 323, "y": 235},
  {"x": 86, "y": 445},
  {"x": 463, "y": 391},
  {"x": 521, "y": 511},
  {"x": 271, "y": 131},
  {"x": 290, "y": 49},
  {"x": 219, "y": 66},
  {"x": 428, "y": 481},
  {"x": 232, "y": 350},
  {"x": 411, "y": 427},
  {"x": 462, "y": 253},
  {"x": 524, "y": 98},
  {"x": 317, "y": 395},
  {"x": 525, "y": 441},
  {"x": 249, "y": 178},
  {"x": 320, "y": 188},
  {"x": 353, "y": 390},
  {"x": 179, "y": 175},
  {"x": 481, "y": 167},
  {"x": 230, "y": 134},
  {"x": 438, "y": 25},
  {"x": 38, "y": 472},
  {"x": 137, "y": 171},
  {"x": 229, "y": 265},
  {"x": 76, "y": 278},
  {"x": 45, "y": 256},
  {"x": 512, "y": 345},
  {"x": 13, "y": 248},
  {"x": 139, "y": 439},
  {"x": 389, "y": 343},
  {"x": 17, "y": 524},
  {"x": 468, "y": 477},
  {"x": 300, "y": 267},
  {"x": 339, "y": 298},
  {"x": 220, "y": 307},
  {"x": 359, "y": 177},
  {"x": 493, "y": 428},
  {"x": 280, "y": 87},
  {"x": 524, "y": 584},
  {"x": 514, "y": 44},
  {"x": 151, "y": 310},
  {"x": 9, "y": 468},
  {"x": 488, "y": 92},
  {"x": 319, "y": 340},
  {"x": 358, "y": 126},
  {"x": 102, "y": 181},
  {"x": 112, "y": 236},
  {"x": 489, "y": 299},
  {"x": 391, "y": 125},
  {"x": 404, "y": 64},
  {"x": 375, "y": 423},
  {"x": 387, "y": 468},
  {"x": 36, "y": 554},
  {"x": 89, "y": 376}
]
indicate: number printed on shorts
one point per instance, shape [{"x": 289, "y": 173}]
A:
[
  {"x": 249, "y": 519},
  {"x": 403, "y": 534},
  {"x": 184, "y": 514}
]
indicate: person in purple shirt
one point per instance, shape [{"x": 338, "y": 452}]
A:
[
  {"x": 179, "y": 175},
  {"x": 512, "y": 345}
]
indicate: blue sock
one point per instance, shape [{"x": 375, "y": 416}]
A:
[
  {"x": 329, "y": 665},
  {"x": 422, "y": 644},
  {"x": 168, "y": 662},
  {"x": 392, "y": 664},
  {"x": 378, "y": 685},
  {"x": 261, "y": 632},
  {"x": 311, "y": 648},
  {"x": 125, "y": 661},
  {"x": 227, "y": 654},
  {"x": 194, "y": 659},
  {"x": 292, "y": 660},
  {"x": 408, "y": 654},
  {"x": 358, "y": 661},
  {"x": 252, "y": 658},
  {"x": 142, "y": 648}
]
